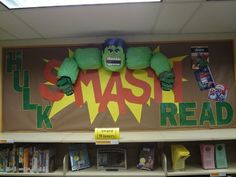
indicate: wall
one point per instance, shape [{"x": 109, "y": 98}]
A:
[{"x": 140, "y": 38}]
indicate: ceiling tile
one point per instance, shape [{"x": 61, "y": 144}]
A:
[
  {"x": 213, "y": 17},
  {"x": 16, "y": 27},
  {"x": 173, "y": 16},
  {"x": 82, "y": 20},
  {"x": 5, "y": 36}
]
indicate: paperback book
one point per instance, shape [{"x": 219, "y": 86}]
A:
[
  {"x": 204, "y": 78},
  {"x": 199, "y": 56},
  {"x": 218, "y": 93},
  {"x": 146, "y": 158},
  {"x": 79, "y": 157}
]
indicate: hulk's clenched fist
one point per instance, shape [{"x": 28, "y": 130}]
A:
[{"x": 65, "y": 84}]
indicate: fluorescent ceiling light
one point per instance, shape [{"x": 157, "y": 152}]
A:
[{"x": 14, "y": 4}]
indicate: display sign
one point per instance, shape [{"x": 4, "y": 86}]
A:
[
  {"x": 107, "y": 136},
  {"x": 8, "y": 141}
]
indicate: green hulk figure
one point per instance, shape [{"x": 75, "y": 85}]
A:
[{"x": 113, "y": 58}]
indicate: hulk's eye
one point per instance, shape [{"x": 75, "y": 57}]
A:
[
  {"x": 117, "y": 50},
  {"x": 110, "y": 50}
]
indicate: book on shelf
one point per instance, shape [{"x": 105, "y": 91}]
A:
[
  {"x": 221, "y": 156},
  {"x": 27, "y": 159},
  {"x": 111, "y": 159},
  {"x": 79, "y": 157},
  {"x": 21, "y": 159},
  {"x": 146, "y": 158},
  {"x": 207, "y": 156}
]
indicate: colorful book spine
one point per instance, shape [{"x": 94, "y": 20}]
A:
[
  {"x": 26, "y": 160},
  {"x": 21, "y": 159}
]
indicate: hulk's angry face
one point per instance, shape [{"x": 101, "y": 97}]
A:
[{"x": 113, "y": 58}]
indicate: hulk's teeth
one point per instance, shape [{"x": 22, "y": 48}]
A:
[
  {"x": 113, "y": 59},
  {"x": 113, "y": 64}
]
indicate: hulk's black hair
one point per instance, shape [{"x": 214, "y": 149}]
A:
[{"x": 116, "y": 42}]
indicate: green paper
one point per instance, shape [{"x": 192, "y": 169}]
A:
[
  {"x": 138, "y": 57},
  {"x": 88, "y": 58},
  {"x": 69, "y": 68}
]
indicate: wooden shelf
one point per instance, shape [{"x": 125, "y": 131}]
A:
[
  {"x": 198, "y": 170},
  {"x": 129, "y": 137},
  {"x": 58, "y": 172},
  {"x": 131, "y": 172}
]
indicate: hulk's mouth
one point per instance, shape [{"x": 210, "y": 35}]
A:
[{"x": 110, "y": 61}]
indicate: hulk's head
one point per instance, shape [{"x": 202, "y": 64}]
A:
[{"x": 113, "y": 58}]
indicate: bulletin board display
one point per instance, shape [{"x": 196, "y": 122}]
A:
[{"x": 202, "y": 98}]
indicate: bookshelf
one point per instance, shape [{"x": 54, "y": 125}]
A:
[
  {"x": 125, "y": 137},
  {"x": 130, "y": 172},
  {"x": 63, "y": 140},
  {"x": 58, "y": 172},
  {"x": 197, "y": 170}
]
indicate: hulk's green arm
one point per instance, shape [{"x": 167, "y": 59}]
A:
[
  {"x": 67, "y": 74},
  {"x": 142, "y": 57},
  {"x": 85, "y": 59},
  {"x": 160, "y": 63},
  {"x": 162, "y": 67},
  {"x": 69, "y": 68}
]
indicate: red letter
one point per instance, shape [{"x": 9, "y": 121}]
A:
[
  {"x": 178, "y": 85},
  {"x": 157, "y": 86},
  {"x": 87, "y": 77},
  {"x": 142, "y": 99},
  {"x": 50, "y": 77},
  {"x": 108, "y": 96}
]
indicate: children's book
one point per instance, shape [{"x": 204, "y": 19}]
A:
[
  {"x": 199, "y": 55},
  {"x": 146, "y": 158},
  {"x": 79, "y": 158},
  {"x": 204, "y": 78},
  {"x": 218, "y": 93}
]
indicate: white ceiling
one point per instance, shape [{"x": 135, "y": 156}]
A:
[{"x": 168, "y": 17}]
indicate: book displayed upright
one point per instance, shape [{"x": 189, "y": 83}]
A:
[
  {"x": 79, "y": 157},
  {"x": 220, "y": 156},
  {"x": 146, "y": 158},
  {"x": 207, "y": 156}
]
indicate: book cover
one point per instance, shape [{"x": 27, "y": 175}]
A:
[
  {"x": 199, "y": 55},
  {"x": 218, "y": 93},
  {"x": 204, "y": 78},
  {"x": 26, "y": 160},
  {"x": 221, "y": 156},
  {"x": 8, "y": 160},
  {"x": 207, "y": 156},
  {"x": 179, "y": 154},
  {"x": 52, "y": 159},
  {"x": 21, "y": 159},
  {"x": 35, "y": 160},
  {"x": 30, "y": 158},
  {"x": 146, "y": 158},
  {"x": 14, "y": 158},
  {"x": 111, "y": 159},
  {"x": 2, "y": 161},
  {"x": 79, "y": 158}
]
